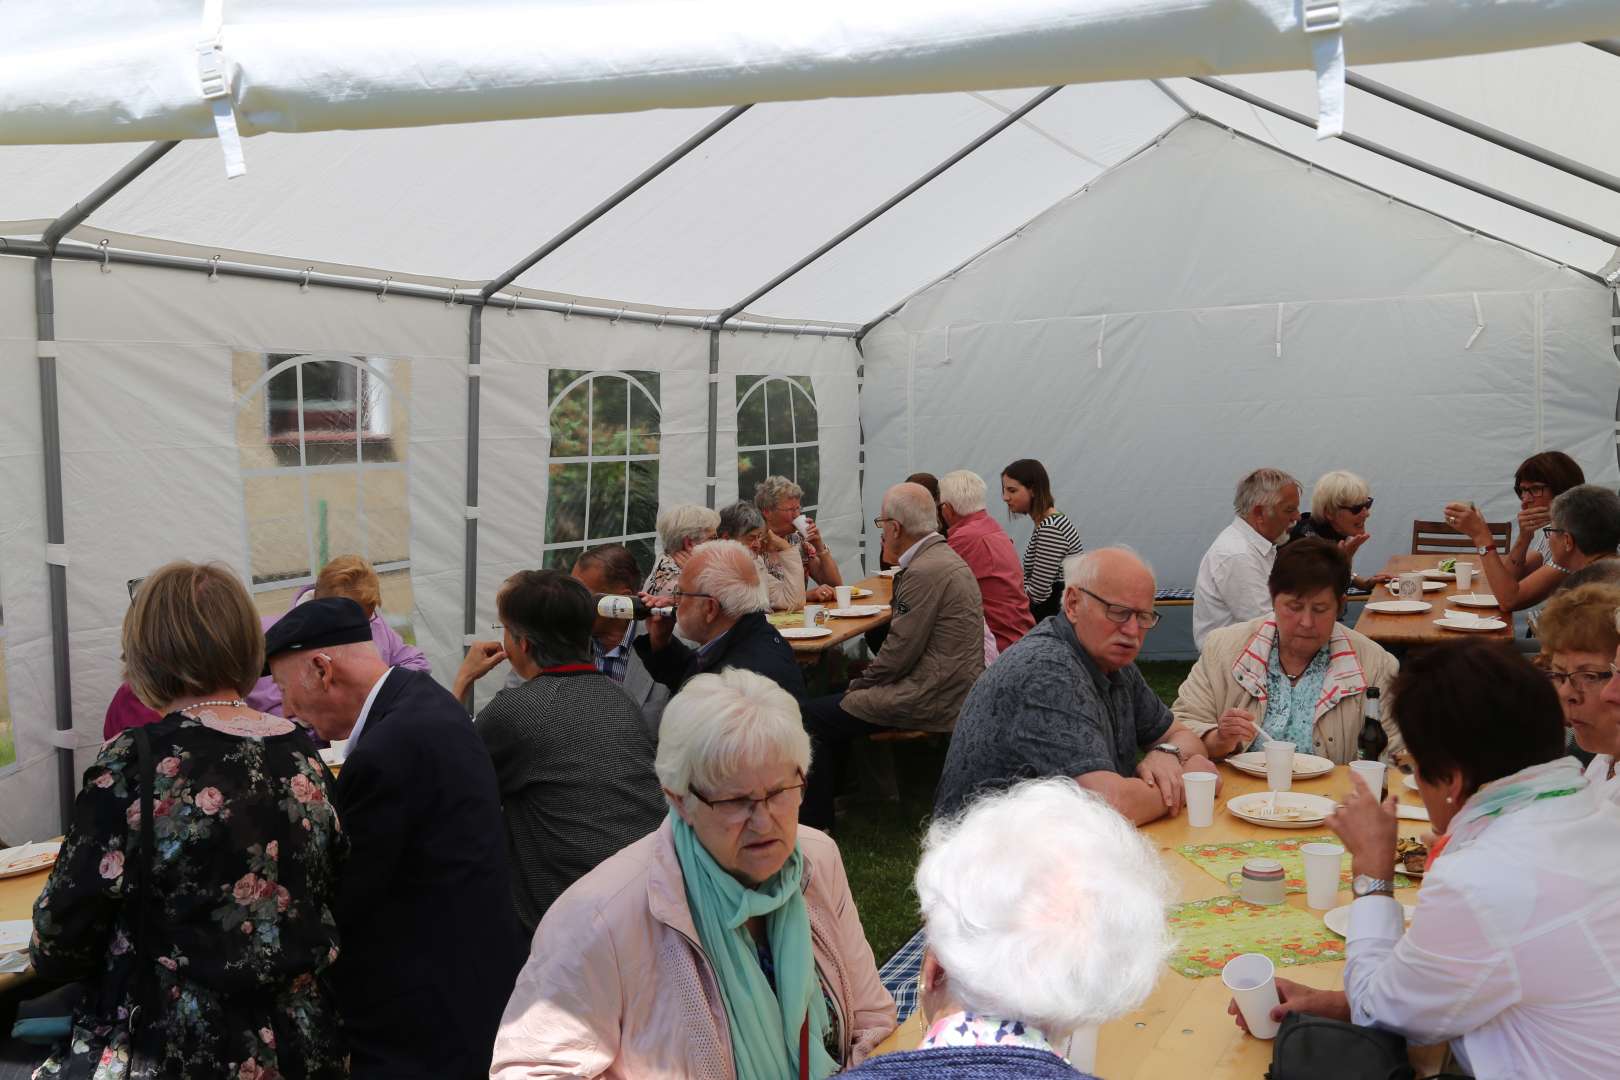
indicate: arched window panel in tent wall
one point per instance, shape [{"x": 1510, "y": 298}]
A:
[
  {"x": 603, "y": 474},
  {"x": 778, "y": 434},
  {"x": 323, "y": 447}
]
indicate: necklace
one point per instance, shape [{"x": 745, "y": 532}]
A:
[{"x": 203, "y": 704}]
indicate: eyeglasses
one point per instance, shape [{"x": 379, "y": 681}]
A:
[
  {"x": 1359, "y": 507},
  {"x": 735, "y": 811},
  {"x": 1549, "y": 530},
  {"x": 678, "y": 594},
  {"x": 1582, "y": 681},
  {"x": 878, "y": 521},
  {"x": 1119, "y": 613},
  {"x": 1534, "y": 491}
]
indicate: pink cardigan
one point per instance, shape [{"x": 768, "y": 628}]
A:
[{"x": 616, "y": 986}]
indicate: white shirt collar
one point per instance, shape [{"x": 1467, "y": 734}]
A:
[
  {"x": 365, "y": 710},
  {"x": 1253, "y": 537},
  {"x": 905, "y": 560}
]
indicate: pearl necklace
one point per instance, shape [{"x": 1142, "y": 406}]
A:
[{"x": 204, "y": 704}]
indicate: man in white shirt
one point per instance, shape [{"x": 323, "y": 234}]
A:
[{"x": 1231, "y": 585}]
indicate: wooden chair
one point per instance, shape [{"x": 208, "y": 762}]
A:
[{"x": 1438, "y": 538}]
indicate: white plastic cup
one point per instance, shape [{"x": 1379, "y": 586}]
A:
[
  {"x": 1252, "y": 978},
  {"x": 1465, "y": 577},
  {"x": 812, "y": 614},
  {"x": 1322, "y": 865},
  {"x": 1200, "y": 787},
  {"x": 1279, "y": 765},
  {"x": 843, "y": 595},
  {"x": 802, "y": 524},
  {"x": 1371, "y": 774}
]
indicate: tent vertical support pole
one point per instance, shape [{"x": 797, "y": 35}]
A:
[
  {"x": 469, "y": 568},
  {"x": 713, "y": 481}
]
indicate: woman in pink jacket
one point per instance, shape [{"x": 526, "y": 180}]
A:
[{"x": 725, "y": 946}]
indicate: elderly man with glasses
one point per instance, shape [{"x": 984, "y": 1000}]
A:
[{"x": 1068, "y": 700}]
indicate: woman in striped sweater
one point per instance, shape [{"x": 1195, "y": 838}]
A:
[{"x": 1026, "y": 490}]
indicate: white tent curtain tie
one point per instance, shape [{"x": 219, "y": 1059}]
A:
[
  {"x": 213, "y": 268},
  {"x": 1323, "y": 23},
  {"x": 1102, "y": 331},
  {"x": 106, "y": 255},
  {"x": 1279, "y": 331},
  {"x": 382, "y": 288},
  {"x": 213, "y": 73},
  {"x": 1479, "y": 324}
]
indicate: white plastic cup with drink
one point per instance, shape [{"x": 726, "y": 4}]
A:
[
  {"x": 843, "y": 595},
  {"x": 802, "y": 525},
  {"x": 1200, "y": 788},
  {"x": 1465, "y": 576},
  {"x": 1370, "y": 773},
  {"x": 1252, "y": 978},
  {"x": 1323, "y": 863},
  {"x": 1279, "y": 765}
]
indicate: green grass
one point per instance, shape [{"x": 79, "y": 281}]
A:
[{"x": 880, "y": 840}]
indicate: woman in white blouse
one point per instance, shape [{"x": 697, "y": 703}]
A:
[
  {"x": 1579, "y": 638},
  {"x": 1513, "y": 954}
]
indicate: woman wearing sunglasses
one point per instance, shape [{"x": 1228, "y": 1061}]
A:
[{"x": 1341, "y": 502}]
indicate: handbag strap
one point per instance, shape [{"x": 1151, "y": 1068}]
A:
[{"x": 143, "y": 870}]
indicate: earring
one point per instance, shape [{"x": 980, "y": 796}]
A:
[{"x": 1448, "y": 800}]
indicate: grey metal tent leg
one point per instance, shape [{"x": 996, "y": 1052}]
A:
[{"x": 469, "y": 565}]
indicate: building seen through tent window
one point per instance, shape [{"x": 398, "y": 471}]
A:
[
  {"x": 323, "y": 446},
  {"x": 603, "y": 485},
  {"x": 778, "y": 434}
]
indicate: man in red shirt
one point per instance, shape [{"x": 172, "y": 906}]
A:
[{"x": 987, "y": 549}]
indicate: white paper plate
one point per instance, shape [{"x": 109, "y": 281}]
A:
[
  {"x": 803, "y": 633},
  {"x": 1338, "y": 920},
  {"x": 29, "y": 858},
  {"x": 1310, "y": 810},
  {"x": 1485, "y": 600},
  {"x": 1305, "y": 765},
  {"x": 890, "y": 572},
  {"x": 859, "y": 593},
  {"x": 1472, "y": 627},
  {"x": 1439, "y": 575},
  {"x": 1408, "y": 812},
  {"x": 1428, "y": 586},
  {"x": 857, "y": 611},
  {"x": 1400, "y": 607}
]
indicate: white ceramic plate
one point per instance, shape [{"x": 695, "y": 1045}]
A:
[
  {"x": 1294, "y": 809},
  {"x": 1338, "y": 920},
  {"x": 1408, "y": 812},
  {"x": 1305, "y": 765},
  {"x": 1475, "y": 626},
  {"x": 1473, "y": 600},
  {"x": 1428, "y": 586},
  {"x": 1439, "y": 575},
  {"x": 28, "y": 858},
  {"x": 1400, "y": 607},
  {"x": 1410, "y": 781},
  {"x": 803, "y": 633},
  {"x": 857, "y": 611}
]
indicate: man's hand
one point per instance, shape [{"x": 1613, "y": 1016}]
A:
[
  {"x": 1235, "y": 729},
  {"x": 660, "y": 630},
  {"x": 1162, "y": 772},
  {"x": 482, "y": 658},
  {"x": 1296, "y": 997},
  {"x": 1368, "y": 830}
]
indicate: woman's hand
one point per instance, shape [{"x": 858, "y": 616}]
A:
[
  {"x": 1533, "y": 518},
  {"x": 1297, "y": 997},
  {"x": 1466, "y": 519},
  {"x": 1235, "y": 729},
  {"x": 1368, "y": 830},
  {"x": 1352, "y": 544},
  {"x": 821, "y": 594}
]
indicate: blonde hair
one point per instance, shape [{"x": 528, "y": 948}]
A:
[
  {"x": 1581, "y": 619},
  {"x": 191, "y": 629},
  {"x": 351, "y": 576},
  {"x": 1337, "y": 490}
]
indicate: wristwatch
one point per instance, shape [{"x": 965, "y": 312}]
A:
[
  {"x": 1484, "y": 550},
  {"x": 1367, "y": 885},
  {"x": 1169, "y": 748}
]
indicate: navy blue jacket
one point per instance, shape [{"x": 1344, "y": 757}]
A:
[
  {"x": 429, "y": 940},
  {"x": 752, "y": 644},
  {"x": 969, "y": 1063}
]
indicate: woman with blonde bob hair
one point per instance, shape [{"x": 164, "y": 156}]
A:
[
  {"x": 724, "y": 944},
  {"x": 195, "y": 888},
  {"x": 1579, "y": 640},
  {"x": 1044, "y": 911},
  {"x": 1340, "y": 504}
]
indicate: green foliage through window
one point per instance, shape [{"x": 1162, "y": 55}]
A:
[
  {"x": 604, "y": 463},
  {"x": 778, "y": 433}
]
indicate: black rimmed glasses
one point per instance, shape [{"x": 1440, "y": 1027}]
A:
[
  {"x": 738, "y": 809},
  {"x": 677, "y": 594},
  {"x": 1119, "y": 613},
  {"x": 1532, "y": 490},
  {"x": 1584, "y": 681}
]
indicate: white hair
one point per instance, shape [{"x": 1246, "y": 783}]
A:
[
  {"x": 719, "y": 725},
  {"x": 1085, "y": 569},
  {"x": 1043, "y": 903},
  {"x": 963, "y": 491},
  {"x": 683, "y": 522},
  {"x": 729, "y": 574},
  {"x": 1337, "y": 490},
  {"x": 912, "y": 507},
  {"x": 774, "y": 490},
  {"x": 1260, "y": 488}
]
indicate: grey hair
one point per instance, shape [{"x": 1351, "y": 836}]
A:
[
  {"x": 1335, "y": 491},
  {"x": 719, "y": 725},
  {"x": 1260, "y": 488},
  {"x": 1061, "y": 921},
  {"x": 1085, "y": 569},
  {"x": 774, "y": 490},
  {"x": 729, "y": 574},
  {"x": 912, "y": 508},
  {"x": 740, "y": 519},
  {"x": 963, "y": 491},
  {"x": 1590, "y": 514},
  {"x": 685, "y": 521}
]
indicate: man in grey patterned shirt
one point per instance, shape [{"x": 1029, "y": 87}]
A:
[{"x": 1068, "y": 700}]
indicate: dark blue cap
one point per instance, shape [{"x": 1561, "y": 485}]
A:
[{"x": 317, "y": 624}]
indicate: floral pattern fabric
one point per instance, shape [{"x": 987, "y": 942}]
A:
[
  {"x": 240, "y": 929},
  {"x": 1291, "y": 706},
  {"x": 969, "y": 1029}
]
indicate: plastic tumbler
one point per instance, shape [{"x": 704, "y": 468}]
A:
[
  {"x": 1279, "y": 765},
  {"x": 843, "y": 595},
  {"x": 1372, "y": 774},
  {"x": 1322, "y": 865},
  {"x": 1200, "y": 788},
  {"x": 1253, "y": 981}
]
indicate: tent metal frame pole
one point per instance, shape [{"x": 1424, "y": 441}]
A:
[
  {"x": 905, "y": 193},
  {"x": 469, "y": 565},
  {"x": 1411, "y": 162},
  {"x": 1608, "y": 45},
  {"x": 712, "y": 477},
  {"x": 495, "y": 285},
  {"x": 1481, "y": 131},
  {"x": 51, "y": 439}
]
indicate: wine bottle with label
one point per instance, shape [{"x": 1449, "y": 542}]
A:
[{"x": 628, "y": 607}]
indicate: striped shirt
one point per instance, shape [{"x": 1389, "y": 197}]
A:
[{"x": 1055, "y": 538}]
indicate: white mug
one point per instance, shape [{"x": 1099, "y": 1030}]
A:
[
  {"x": 813, "y": 614},
  {"x": 1409, "y": 586}
]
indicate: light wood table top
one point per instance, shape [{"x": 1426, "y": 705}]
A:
[
  {"x": 810, "y": 649},
  {"x": 1182, "y": 1029},
  {"x": 1409, "y": 630}
]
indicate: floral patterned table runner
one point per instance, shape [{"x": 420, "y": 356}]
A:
[
  {"x": 1211, "y": 932},
  {"x": 1221, "y": 859}
]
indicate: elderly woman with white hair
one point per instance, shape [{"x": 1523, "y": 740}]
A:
[
  {"x": 724, "y": 944},
  {"x": 1044, "y": 911},
  {"x": 681, "y": 528},
  {"x": 1341, "y": 502}
]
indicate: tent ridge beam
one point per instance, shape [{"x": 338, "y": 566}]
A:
[
  {"x": 895, "y": 200},
  {"x": 1418, "y": 164},
  {"x": 714, "y": 127}
]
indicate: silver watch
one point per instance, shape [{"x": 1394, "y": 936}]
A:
[
  {"x": 1169, "y": 748},
  {"x": 1367, "y": 885},
  {"x": 1484, "y": 550}
]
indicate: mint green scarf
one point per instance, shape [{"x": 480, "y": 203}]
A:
[{"x": 764, "y": 1026}]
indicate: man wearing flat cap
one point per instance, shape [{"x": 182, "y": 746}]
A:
[{"x": 430, "y": 943}]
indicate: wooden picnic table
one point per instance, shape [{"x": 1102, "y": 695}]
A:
[
  {"x": 1419, "y": 629},
  {"x": 810, "y": 650},
  {"x": 1183, "y": 1028}
]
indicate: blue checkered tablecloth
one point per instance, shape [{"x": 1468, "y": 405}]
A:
[{"x": 899, "y": 975}]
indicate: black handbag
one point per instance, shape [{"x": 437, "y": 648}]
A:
[{"x": 1315, "y": 1048}]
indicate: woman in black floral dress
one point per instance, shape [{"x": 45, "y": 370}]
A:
[{"x": 231, "y": 978}]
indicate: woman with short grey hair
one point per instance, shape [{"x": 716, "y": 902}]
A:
[
  {"x": 1585, "y": 530},
  {"x": 1044, "y": 911},
  {"x": 779, "y": 561},
  {"x": 681, "y": 528}
]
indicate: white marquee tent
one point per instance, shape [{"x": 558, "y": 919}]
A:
[{"x": 1151, "y": 285}]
